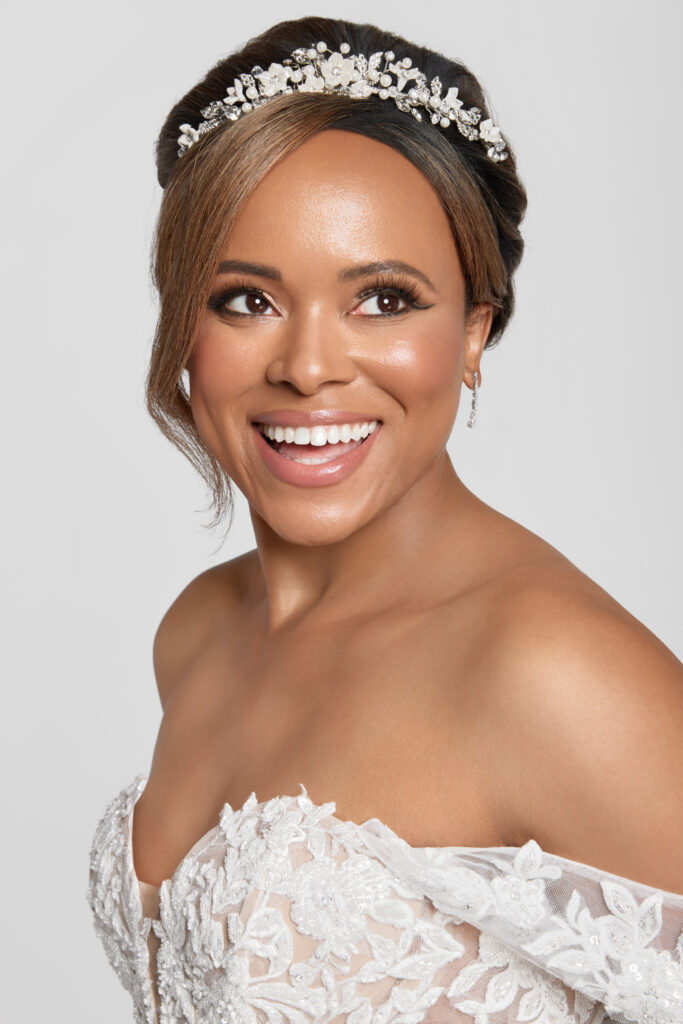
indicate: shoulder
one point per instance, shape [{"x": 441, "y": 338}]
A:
[
  {"x": 204, "y": 605},
  {"x": 590, "y": 733}
]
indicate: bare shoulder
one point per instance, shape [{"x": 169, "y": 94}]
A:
[
  {"x": 204, "y": 605},
  {"x": 589, "y": 727}
]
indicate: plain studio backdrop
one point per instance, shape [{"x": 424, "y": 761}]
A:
[{"x": 579, "y": 424}]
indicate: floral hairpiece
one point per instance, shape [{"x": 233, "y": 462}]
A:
[{"x": 309, "y": 70}]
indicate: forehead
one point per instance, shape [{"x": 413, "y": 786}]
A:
[{"x": 340, "y": 196}]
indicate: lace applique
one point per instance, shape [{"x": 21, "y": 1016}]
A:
[
  {"x": 284, "y": 914},
  {"x": 114, "y": 898}
]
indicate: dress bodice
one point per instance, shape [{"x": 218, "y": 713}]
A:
[{"x": 285, "y": 914}]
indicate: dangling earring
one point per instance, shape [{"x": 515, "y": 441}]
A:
[{"x": 473, "y": 412}]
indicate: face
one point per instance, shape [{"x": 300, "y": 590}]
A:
[{"x": 338, "y": 301}]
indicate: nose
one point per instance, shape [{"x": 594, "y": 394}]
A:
[{"x": 309, "y": 352}]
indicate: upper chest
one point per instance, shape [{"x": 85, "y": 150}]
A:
[
  {"x": 399, "y": 686},
  {"x": 386, "y": 716}
]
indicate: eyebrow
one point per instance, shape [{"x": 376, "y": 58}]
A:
[
  {"x": 386, "y": 267},
  {"x": 348, "y": 274},
  {"x": 244, "y": 267}
]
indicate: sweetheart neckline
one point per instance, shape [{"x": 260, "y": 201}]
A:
[
  {"x": 262, "y": 803},
  {"x": 141, "y": 782}
]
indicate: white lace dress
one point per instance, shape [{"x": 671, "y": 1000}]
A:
[{"x": 285, "y": 914}]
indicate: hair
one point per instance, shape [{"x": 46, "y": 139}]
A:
[{"x": 205, "y": 189}]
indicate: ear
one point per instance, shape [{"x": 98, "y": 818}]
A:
[{"x": 477, "y": 329}]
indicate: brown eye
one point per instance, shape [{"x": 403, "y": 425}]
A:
[
  {"x": 388, "y": 303},
  {"x": 383, "y": 304},
  {"x": 247, "y": 303}
]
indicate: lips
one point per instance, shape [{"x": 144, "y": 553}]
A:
[{"x": 320, "y": 474}]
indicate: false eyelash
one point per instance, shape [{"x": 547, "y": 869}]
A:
[
  {"x": 238, "y": 287},
  {"x": 397, "y": 284}
]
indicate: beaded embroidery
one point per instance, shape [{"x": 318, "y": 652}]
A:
[
  {"x": 319, "y": 69},
  {"x": 283, "y": 913}
]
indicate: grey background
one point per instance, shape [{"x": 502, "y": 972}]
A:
[{"x": 579, "y": 425}]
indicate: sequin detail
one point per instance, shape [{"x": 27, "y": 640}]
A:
[{"x": 284, "y": 914}]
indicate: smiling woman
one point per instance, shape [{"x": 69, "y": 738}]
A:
[
  {"x": 384, "y": 337},
  {"x": 483, "y": 200},
  {"x": 466, "y": 714}
]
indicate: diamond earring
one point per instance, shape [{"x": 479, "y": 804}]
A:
[{"x": 473, "y": 412}]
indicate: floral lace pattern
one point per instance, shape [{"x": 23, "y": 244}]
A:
[{"x": 285, "y": 914}]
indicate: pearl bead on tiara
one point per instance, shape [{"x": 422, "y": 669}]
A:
[{"x": 310, "y": 70}]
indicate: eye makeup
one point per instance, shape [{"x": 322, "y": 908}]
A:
[{"x": 400, "y": 286}]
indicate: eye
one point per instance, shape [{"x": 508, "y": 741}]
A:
[
  {"x": 246, "y": 302},
  {"x": 385, "y": 303},
  {"x": 383, "y": 299}
]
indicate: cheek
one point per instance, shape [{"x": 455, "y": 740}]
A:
[
  {"x": 220, "y": 372},
  {"x": 426, "y": 370},
  {"x": 220, "y": 367}
]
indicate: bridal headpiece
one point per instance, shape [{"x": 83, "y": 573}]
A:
[{"x": 319, "y": 69}]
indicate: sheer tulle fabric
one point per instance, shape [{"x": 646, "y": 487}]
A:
[{"x": 285, "y": 914}]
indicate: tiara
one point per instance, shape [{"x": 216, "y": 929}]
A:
[{"x": 319, "y": 69}]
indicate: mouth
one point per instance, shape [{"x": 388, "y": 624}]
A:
[
  {"x": 314, "y": 457},
  {"x": 314, "y": 446}
]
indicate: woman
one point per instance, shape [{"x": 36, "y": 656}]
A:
[{"x": 394, "y": 651}]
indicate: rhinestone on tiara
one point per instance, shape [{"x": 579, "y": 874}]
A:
[{"x": 319, "y": 69}]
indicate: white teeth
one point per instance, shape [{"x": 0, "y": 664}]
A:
[{"x": 319, "y": 435}]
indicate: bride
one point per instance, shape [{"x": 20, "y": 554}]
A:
[{"x": 413, "y": 764}]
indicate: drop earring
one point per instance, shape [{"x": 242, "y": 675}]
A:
[{"x": 473, "y": 412}]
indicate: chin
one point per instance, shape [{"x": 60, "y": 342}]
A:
[{"x": 315, "y": 530}]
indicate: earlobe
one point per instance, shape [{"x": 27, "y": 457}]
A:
[{"x": 469, "y": 379}]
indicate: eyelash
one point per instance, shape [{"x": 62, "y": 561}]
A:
[{"x": 403, "y": 287}]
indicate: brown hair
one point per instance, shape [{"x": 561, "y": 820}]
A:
[{"x": 205, "y": 189}]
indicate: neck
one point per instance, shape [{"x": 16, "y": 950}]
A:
[{"x": 379, "y": 565}]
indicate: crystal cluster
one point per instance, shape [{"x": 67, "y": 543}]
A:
[{"x": 318, "y": 69}]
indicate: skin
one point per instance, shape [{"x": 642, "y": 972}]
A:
[
  {"x": 318, "y": 548},
  {"x": 393, "y": 643}
]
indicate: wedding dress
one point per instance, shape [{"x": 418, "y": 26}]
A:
[{"x": 285, "y": 914}]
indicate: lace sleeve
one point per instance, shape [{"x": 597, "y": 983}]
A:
[
  {"x": 613, "y": 942},
  {"x": 283, "y": 914}
]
